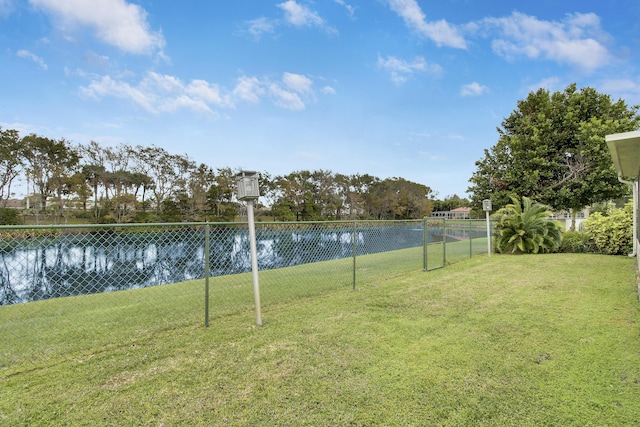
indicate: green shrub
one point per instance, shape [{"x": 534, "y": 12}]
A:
[
  {"x": 84, "y": 214},
  {"x": 576, "y": 242},
  {"x": 525, "y": 228},
  {"x": 9, "y": 217},
  {"x": 612, "y": 234}
]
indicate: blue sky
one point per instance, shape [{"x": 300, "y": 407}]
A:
[{"x": 393, "y": 88}]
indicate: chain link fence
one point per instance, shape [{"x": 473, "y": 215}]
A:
[
  {"x": 65, "y": 290},
  {"x": 449, "y": 241}
]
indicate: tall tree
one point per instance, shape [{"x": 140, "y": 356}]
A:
[
  {"x": 293, "y": 188},
  {"x": 94, "y": 159},
  {"x": 49, "y": 163},
  {"x": 552, "y": 149},
  {"x": 220, "y": 195},
  {"x": 77, "y": 184},
  {"x": 359, "y": 187},
  {"x": 94, "y": 175},
  {"x": 169, "y": 172},
  {"x": 326, "y": 194},
  {"x": 200, "y": 181},
  {"x": 11, "y": 162},
  {"x": 269, "y": 191},
  {"x": 397, "y": 198}
]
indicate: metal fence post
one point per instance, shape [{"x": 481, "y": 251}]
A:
[
  {"x": 488, "y": 235},
  {"x": 470, "y": 238},
  {"x": 207, "y": 232},
  {"x": 254, "y": 261},
  {"x": 425, "y": 242},
  {"x": 355, "y": 251},
  {"x": 444, "y": 242}
]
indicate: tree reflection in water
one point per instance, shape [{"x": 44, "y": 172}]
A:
[{"x": 33, "y": 269}]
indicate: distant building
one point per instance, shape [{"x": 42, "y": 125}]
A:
[
  {"x": 457, "y": 213},
  {"x": 15, "y": 204},
  {"x": 565, "y": 218}
]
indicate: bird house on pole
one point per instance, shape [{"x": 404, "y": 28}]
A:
[{"x": 248, "y": 188}]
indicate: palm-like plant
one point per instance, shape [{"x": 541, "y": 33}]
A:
[{"x": 526, "y": 228}]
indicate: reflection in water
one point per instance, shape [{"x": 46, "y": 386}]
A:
[{"x": 87, "y": 263}]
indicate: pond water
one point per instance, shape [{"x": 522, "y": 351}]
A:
[{"x": 79, "y": 264}]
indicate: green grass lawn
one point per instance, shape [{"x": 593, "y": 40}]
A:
[{"x": 501, "y": 341}]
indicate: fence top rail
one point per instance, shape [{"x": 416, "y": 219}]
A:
[
  {"x": 345, "y": 221},
  {"x": 195, "y": 224},
  {"x": 102, "y": 226}
]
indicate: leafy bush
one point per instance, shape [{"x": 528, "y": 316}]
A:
[
  {"x": 576, "y": 242},
  {"x": 612, "y": 233},
  {"x": 9, "y": 217},
  {"x": 525, "y": 228}
]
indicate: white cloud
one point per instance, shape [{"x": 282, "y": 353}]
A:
[
  {"x": 115, "y": 22},
  {"x": 301, "y": 16},
  {"x": 249, "y": 89},
  {"x": 295, "y": 89},
  {"x": 577, "y": 40},
  {"x": 258, "y": 27},
  {"x": 32, "y": 57},
  {"x": 161, "y": 93},
  {"x": 289, "y": 93},
  {"x": 401, "y": 70},
  {"x": 106, "y": 86},
  {"x": 328, "y": 90},
  {"x": 206, "y": 92},
  {"x": 441, "y": 32},
  {"x": 295, "y": 14},
  {"x": 183, "y": 102},
  {"x": 285, "y": 98},
  {"x": 473, "y": 89},
  {"x": 161, "y": 83},
  {"x": 298, "y": 82},
  {"x": 350, "y": 9}
]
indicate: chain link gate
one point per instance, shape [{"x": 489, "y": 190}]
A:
[{"x": 449, "y": 240}]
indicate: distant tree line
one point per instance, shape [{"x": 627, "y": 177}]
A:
[{"x": 124, "y": 184}]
